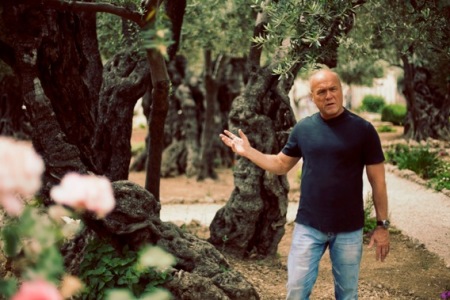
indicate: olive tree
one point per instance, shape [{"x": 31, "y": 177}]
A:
[
  {"x": 287, "y": 36},
  {"x": 214, "y": 37},
  {"x": 81, "y": 110},
  {"x": 414, "y": 36}
]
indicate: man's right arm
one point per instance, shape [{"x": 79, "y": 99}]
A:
[{"x": 278, "y": 164}]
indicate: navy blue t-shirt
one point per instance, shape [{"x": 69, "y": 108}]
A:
[{"x": 334, "y": 154}]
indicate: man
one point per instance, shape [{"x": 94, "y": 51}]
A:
[{"x": 336, "y": 145}]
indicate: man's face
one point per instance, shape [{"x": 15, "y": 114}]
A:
[{"x": 326, "y": 93}]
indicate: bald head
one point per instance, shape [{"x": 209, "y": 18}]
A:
[
  {"x": 326, "y": 93},
  {"x": 322, "y": 74}
]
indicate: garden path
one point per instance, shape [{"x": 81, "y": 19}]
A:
[{"x": 420, "y": 213}]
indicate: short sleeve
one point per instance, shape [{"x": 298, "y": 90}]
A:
[
  {"x": 292, "y": 147},
  {"x": 373, "y": 152}
]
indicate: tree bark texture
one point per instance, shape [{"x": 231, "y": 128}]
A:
[
  {"x": 428, "y": 111},
  {"x": 126, "y": 79},
  {"x": 182, "y": 129},
  {"x": 160, "y": 103},
  {"x": 13, "y": 118},
  {"x": 53, "y": 104},
  {"x": 187, "y": 114},
  {"x": 55, "y": 59},
  {"x": 181, "y": 156},
  {"x": 210, "y": 81},
  {"x": 160, "y": 106},
  {"x": 252, "y": 222},
  {"x": 201, "y": 271}
]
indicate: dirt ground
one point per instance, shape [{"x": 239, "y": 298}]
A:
[{"x": 410, "y": 271}]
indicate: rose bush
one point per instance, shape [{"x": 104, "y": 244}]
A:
[{"x": 31, "y": 235}]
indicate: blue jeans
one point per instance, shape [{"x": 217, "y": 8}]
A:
[{"x": 308, "y": 246}]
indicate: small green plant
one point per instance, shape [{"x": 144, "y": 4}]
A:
[
  {"x": 104, "y": 269},
  {"x": 418, "y": 159},
  {"x": 385, "y": 128},
  {"x": 394, "y": 113},
  {"x": 442, "y": 179},
  {"x": 298, "y": 177},
  {"x": 225, "y": 238},
  {"x": 224, "y": 269},
  {"x": 372, "y": 103},
  {"x": 370, "y": 221}
]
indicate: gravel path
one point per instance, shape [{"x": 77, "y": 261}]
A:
[{"x": 420, "y": 213}]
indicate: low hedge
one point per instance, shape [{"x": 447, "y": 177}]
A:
[
  {"x": 372, "y": 103},
  {"x": 394, "y": 113}
]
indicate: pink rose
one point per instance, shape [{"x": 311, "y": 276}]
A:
[
  {"x": 20, "y": 173},
  {"x": 11, "y": 204},
  {"x": 37, "y": 290},
  {"x": 82, "y": 192}
]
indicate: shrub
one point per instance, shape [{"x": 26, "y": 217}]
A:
[
  {"x": 417, "y": 159},
  {"x": 394, "y": 113},
  {"x": 442, "y": 179},
  {"x": 385, "y": 128},
  {"x": 372, "y": 103},
  {"x": 104, "y": 269},
  {"x": 370, "y": 222}
]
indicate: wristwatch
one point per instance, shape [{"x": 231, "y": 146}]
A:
[{"x": 384, "y": 223}]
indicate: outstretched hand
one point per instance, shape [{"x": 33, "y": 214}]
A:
[
  {"x": 239, "y": 145},
  {"x": 380, "y": 237}
]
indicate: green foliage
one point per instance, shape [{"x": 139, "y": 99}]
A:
[
  {"x": 34, "y": 239},
  {"x": 385, "y": 128},
  {"x": 418, "y": 159},
  {"x": 399, "y": 31},
  {"x": 394, "y": 113},
  {"x": 422, "y": 161},
  {"x": 109, "y": 34},
  {"x": 301, "y": 27},
  {"x": 442, "y": 179},
  {"x": 38, "y": 237},
  {"x": 103, "y": 269},
  {"x": 8, "y": 287},
  {"x": 372, "y": 103},
  {"x": 298, "y": 176},
  {"x": 114, "y": 33},
  {"x": 360, "y": 71},
  {"x": 11, "y": 239},
  {"x": 224, "y": 27},
  {"x": 158, "y": 38},
  {"x": 370, "y": 221}
]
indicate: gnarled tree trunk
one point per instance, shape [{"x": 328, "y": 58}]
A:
[
  {"x": 13, "y": 119},
  {"x": 60, "y": 78},
  {"x": 428, "y": 111},
  {"x": 252, "y": 222}
]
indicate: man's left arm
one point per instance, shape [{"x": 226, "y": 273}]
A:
[{"x": 380, "y": 236}]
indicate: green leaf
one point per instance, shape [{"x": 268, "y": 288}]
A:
[
  {"x": 50, "y": 263},
  {"x": 11, "y": 240},
  {"x": 8, "y": 287}
]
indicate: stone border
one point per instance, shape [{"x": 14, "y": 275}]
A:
[{"x": 410, "y": 175}]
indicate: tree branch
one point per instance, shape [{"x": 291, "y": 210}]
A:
[
  {"x": 348, "y": 22},
  {"x": 256, "y": 50},
  {"x": 78, "y": 6}
]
